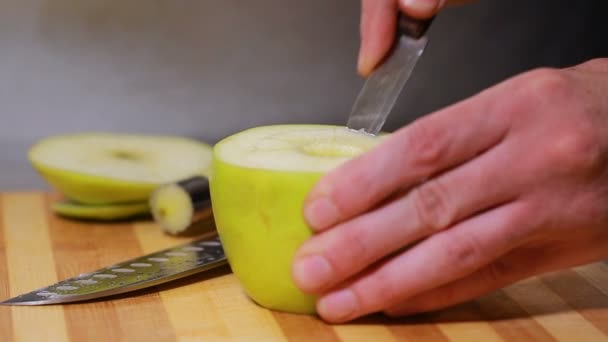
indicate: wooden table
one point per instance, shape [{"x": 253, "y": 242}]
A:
[{"x": 38, "y": 248}]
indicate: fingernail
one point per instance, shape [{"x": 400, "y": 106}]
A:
[
  {"x": 312, "y": 272},
  {"x": 421, "y": 6},
  {"x": 364, "y": 67},
  {"x": 321, "y": 213},
  {"x": 363, "y": 61},
  {"x": 338, "y": 306}
]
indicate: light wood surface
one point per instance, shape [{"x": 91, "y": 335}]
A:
[{"x": 37, "y": 248}]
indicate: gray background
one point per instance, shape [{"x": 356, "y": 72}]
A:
[{"x": 209, "y": 68}]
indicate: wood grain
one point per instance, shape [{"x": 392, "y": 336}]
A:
[
  {"x": 6, "y": 319},
  {"x": 304, "y": 328},
  {"x": 102, "y": 246},
  {"x": 190, "y": 308},
  {"x": 38, "y": 248},
  {"x": 30, "y": 266},
  {"x": 509, "y": 319},
  {"x": 423, "y": 329},
  {"x": 464, "y": 323},
  {"x": 581, "y": 296},
  {"x": 364, "y": 332},
  {"x": 553, "y": 313}
]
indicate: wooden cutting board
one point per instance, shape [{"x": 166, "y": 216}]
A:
[{"x": 38, "y": 248}]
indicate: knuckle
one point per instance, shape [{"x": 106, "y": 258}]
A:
[
  {"x": 576, "y": 146},
  {"x": 426, "y": 144},
  {"x": 531, "y": 91},
  {"x": 525, "y": 221},
  {"x": 431, "y": 205},
  {"x": 348, "y": 250},
  {"x": 465, "y": 251},
  {"x": 534, "y": 87},
  {"x": 547, "y": 81},
  {"x": 576, "y": 152}
]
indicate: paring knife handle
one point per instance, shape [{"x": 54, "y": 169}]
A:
[{"x": 412, "y": 27}]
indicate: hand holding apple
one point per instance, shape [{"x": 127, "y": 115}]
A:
[
  {"x": 508, "y": 184},
  {"x": 258, "y": 182}
]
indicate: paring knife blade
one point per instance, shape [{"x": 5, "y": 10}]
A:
[
  {"x": 382, "y": 88},
  {"x": 138, "y": 273}
]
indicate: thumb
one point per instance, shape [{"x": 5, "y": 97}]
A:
[{"x": 421, "y": 9}]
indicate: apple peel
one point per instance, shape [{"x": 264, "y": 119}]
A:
[{"x": 258, "y": 181}]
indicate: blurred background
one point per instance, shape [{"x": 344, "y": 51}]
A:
[{"x": 209, "y": 68}]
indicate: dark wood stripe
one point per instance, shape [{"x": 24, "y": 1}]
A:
[
  {"x": 6, "y": 318},
  {"x": 417, "y": 328},
  {"x": 467, "y": 312},
  {"x": 81, "y": 247},
  {"x": 304, "y": 328},
  {"x": 504, "y": 316},
  {"x": 510, "y": 320},
  {"x": 578, "y": 293}
]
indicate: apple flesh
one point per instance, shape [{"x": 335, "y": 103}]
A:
[
  {"x": 110, "y": 168},
  {"x": 179, "y": 207},
  {"x": 100, "y": 212},
  {"x": 258, "y": 182}
]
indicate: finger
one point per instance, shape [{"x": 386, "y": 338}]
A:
[
  {"x": 511, "y": 268},
  {"x": 418, "y": 151},
  {"x": 333, "y": 256},
  {"x": 378, "y": 20},
  {"x": 531, "y": 259},
  {"x": 421, "y": 9},
  {"x": 438, "y": 260}
]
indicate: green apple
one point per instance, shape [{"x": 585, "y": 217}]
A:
[
  {"x": 258, "y": 182},
  {"x": 100, "y": 212},
  {"x": 104, "y": 168}
]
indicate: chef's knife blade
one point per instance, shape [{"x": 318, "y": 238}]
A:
[
  {"x": 145, "y": 271},
  {"x": 382, "y": 88}
]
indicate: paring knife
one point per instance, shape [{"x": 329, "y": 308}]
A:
[
  {"x": 145, "y": 271},
  {"x": 382, "y": 88}
]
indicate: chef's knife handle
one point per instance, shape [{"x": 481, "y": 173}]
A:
[{"x": 412, "y": 27}]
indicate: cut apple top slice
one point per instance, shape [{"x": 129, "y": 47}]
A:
[
  {"x": 138, "y": 158},
  {"x": 304, "y": 148}
]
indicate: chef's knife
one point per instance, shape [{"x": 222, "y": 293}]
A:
[
  {"x": 382, "y": 88},
  {"x": 145, "y": 271}
]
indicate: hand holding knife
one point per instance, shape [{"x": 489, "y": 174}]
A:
[{"x": 382, "y": 88}]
